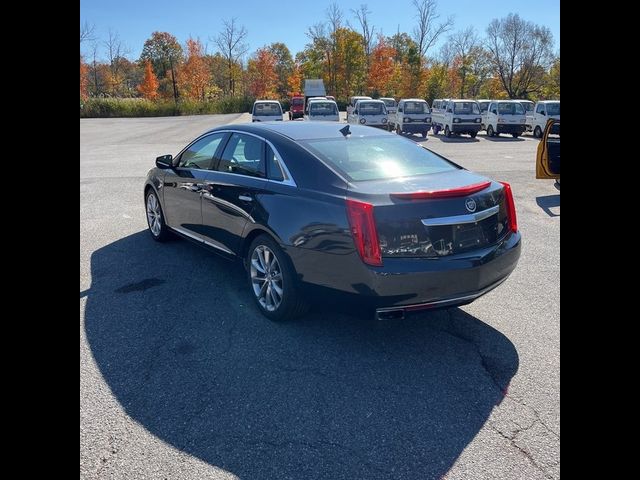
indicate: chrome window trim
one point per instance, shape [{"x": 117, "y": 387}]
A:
[
  {"x": 288, "y": 178},
  {"x": 461, "y": 219}
]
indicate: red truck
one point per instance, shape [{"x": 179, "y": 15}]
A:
[{"x": 296, "y": 109}]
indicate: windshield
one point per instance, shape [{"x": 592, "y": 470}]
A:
[
  {"x": 297, "y": 101},
  {"x": 389, "y": 103},
  {"x": 377, "y": 158},
  {"x": 505, "y": 108},
  {"x": 267, "y": 109},
  {"x": 466, "y": 108},
  {"x": 416, "y": 107},
  {"x": 553, "y": 108},
  {"x": 370, "y": 108},
  {"x": 323, "y": 108},
  {"x": 528, "y": 106}
]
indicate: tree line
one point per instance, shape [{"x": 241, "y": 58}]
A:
[{"x": 512, "y": 59}]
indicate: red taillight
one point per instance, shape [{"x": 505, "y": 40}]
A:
[
  {"x": 511, "y": 207},
  {"x": 446, "y": 193},
  {"x": 363, "y": 229}
]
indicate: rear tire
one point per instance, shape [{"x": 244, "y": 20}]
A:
[
  {"x": 447, "y": 132},
  {"x": 272, "y": 281}
]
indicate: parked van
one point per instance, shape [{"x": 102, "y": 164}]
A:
[
  {"x": 457, "y": 116},
  {"x": 391, "y": 105},
  {"x": 505, "y": 116},
  {"x": 369, "y": 112},
  {"x": 412, "y": 116},
  {"x": 528, "y": 110},
  {"x": 266, "y": 111},
  {"x": 543, "y": 111},
  {"x": 353, "y": 101},
  {"x": 325, "y": 110}
]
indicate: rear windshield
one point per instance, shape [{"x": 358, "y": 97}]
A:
[
  {"x": 553, "y": 108},
  {"x": 367, "y": 108},
  {"x": 267, "y": 109},
  {"x": 466, "y": 108},
  {"x": 505, "y": 108},
  {"x": 389, "y": 103},
  {"x": 416, "y": 107},
  {"x": 377, "y": 158},
  {"x": 297, "y": 101},
  {"x": 323, "y": 108}
]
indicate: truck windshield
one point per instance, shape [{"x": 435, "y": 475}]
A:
[
  {"x": 323, "y": 108},
  {"x": 371, "y": 108},
  {"x": 389, "y": 103},
  {"x": 416, "y": 107},
  {"x": 297, "y": 101},
  {"x": 507, "y": 108},
  {"x": 466, "y": 108}
]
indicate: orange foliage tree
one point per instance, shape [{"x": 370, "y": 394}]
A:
[
  {"x": 149, "y": 86},
  {"x": 263, "y": 78},
  {"x": 294, "y": 81},
  {"x": 195, "y": 74},
  {"x": 382, "y": 68},
  {"x": 84, "y": 79}
]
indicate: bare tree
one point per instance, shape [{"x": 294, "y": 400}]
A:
[
  {"x": 464, "y": 43},
  {"x": 520, "y": 53},
  {"x": 334, "y": 17},
  {"x": 116, "y": 51},
  {"x": 231, "y": 42},
  {"x": 94, "y": 54},
  {"x": 87, "y": 32},
  {"x": 427, "y": 32},
  {"x": 362, "y": 14}
]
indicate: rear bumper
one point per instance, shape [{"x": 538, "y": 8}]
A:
[
  {"x": 510, "y": 128},
  {"x": 468, "y": 128},
  {"x": 410, "y": 282}
]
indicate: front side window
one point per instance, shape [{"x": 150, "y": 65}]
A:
[
  {"x": 553, "y": 108},
  {"x": 466, "y": 108},
  {"x": 200, "y": 153},
  {"x": 509, "y": 108},
  {"x": 540, "y": 108},
  {"x": 243, "y": 155},
  {"x": 484, "y": 106},
  {"x": 377, "y": 158},
  {"x": 389, "y": 103},
  {"x": 416, "y": 107}
]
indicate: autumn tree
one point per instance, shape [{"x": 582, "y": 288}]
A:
[
  {"x": 520, "y": 53},
  {"x": 263, "y": 78},
  {"x": 84, "y": 79},
  {"x": 294, "y": 81},
  {"x": 231, "y": 42},
  {"x": 350, "y": 62},
  {"x": 195, "y": 74},
  {"x": 381, "y": 68},
  {"x": 149, "y": 86},
  {"x": 284, "y": 67},
  {"x": 165, "y": 54}
]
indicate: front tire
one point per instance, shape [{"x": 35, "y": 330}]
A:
[
  {"x": 272, "y": 281},
  {"x": 424, "y": 134},
  {"x": 490, "y": 132},
  {"x": 447, "y": 132},
  {"x": 515, "y": 135},
  {"x": 473, "y": 134},
  {"x": 537, "y": 132},
  {"x": 155, "y": 218}
]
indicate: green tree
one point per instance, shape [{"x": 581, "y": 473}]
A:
[
  {"x": 165, "y": 54},
  {"x": 284, "y": 67}
]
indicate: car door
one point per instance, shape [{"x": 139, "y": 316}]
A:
[
  {"x": 548, "y": 154},
  {"x": 231, "y": 192},
  {"x": 540, "y": 118},
  {"x": 184, "y": 183}
]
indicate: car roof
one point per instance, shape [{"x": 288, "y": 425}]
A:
[
  {"x": 266, "y": 101},
  {"x": 303, "y": 130},
  {"x": 549, "y": 101},
  {"x": 413, "y": 100},
  {"x": 369, "y": 100}
]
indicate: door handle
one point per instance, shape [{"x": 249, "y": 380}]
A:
[
  {"x": 196, "y": 187},
  {"x": 245, "y": 198}
]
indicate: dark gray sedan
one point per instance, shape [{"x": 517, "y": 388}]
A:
[{"x": 347, "y": 210}]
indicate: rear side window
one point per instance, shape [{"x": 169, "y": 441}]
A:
[
  {"x": 243, "y": 155},
  {"x": 377, "y": 158},
  {"x": 273, "y": 167}
]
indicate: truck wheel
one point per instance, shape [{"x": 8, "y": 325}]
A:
[
  {"x": 398, "y": 131},
  {"x": 537, "y": 132},
  {"x": 473, "y": 134},
  {"x": 424, "y": 134},
  {"x": 447, "y": 132},
  {"x": 490, "y": 132},
  {"x": 515, "y": 135}
]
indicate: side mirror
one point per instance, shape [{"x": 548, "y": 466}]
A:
[{"x": 164, "y": 161}]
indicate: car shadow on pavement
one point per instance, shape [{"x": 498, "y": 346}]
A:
[
  {"x": 547, "y": 202},
  {"x": 454, "y": 139},
  {"x": 174, "y": 333},
  {"x": 504, "y": 139}
]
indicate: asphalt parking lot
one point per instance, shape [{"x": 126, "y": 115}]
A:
[{"x": 182, "y": 378}]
